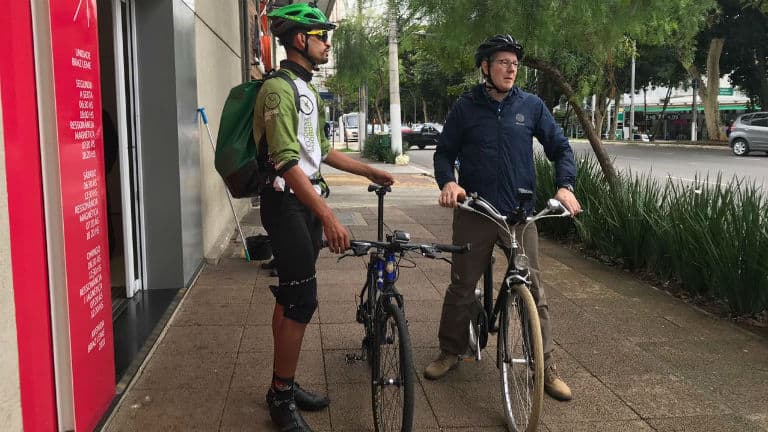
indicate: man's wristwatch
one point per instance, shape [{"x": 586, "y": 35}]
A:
[{"x": 567, "y": 186}]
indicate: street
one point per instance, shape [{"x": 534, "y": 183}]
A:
[{"x": 681, "y": 163}]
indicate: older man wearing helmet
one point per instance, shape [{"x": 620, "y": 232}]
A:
[
  {"x": 288, "y": 121},
  {"x": 490, "y": 130}
]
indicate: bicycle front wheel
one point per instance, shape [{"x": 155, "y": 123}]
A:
[
  {"x": 521, "y": 361},
  {"x": 392, "y": 375}
]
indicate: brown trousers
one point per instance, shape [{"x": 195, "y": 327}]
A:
[{"x": 459, "y": 305}]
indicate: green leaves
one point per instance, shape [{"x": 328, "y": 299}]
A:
[{"x": 710, "y": 236}]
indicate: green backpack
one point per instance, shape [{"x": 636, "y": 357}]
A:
[{"x": 240, "y": 162}]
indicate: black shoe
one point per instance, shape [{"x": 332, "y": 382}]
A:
[
  {"x": 273, "y": 272},
  {"x": 285, "y": 414},
  {"x": 309, "y": 401}
]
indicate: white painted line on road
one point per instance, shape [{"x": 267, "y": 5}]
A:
[
  {"x": 420, "y": 168},
  {"x": 691, "y": 180}
]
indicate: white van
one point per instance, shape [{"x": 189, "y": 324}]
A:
[{"x": 349, "y": 127}]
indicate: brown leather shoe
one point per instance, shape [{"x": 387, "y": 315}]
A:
[
  {"x": 555, "y": 386},
  {"x": 440, "y": 367}
]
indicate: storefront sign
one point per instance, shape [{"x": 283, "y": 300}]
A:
[
  {"x": 81, "y": 163},
  {"x": 26, "y": 223},
  {"x": 725, "y": 91}
]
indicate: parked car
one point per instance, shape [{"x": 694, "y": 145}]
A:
[
  {"x": 423, "y": 135},
  {"x": 641, "y": 137},
  {"x": 749, "y": 133}
]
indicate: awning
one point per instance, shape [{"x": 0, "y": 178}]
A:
[{"x": 658, "y": 109}]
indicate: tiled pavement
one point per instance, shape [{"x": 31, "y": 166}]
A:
[{"x": 636, "y": 358}]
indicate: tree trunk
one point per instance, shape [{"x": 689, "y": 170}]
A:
[
  {"x": 760, "y": 76},
  {"x": 615, "y": 119},
  {"x": 424, "y": 109},
  {"x": 594, "y": 139},
  {"x": 663, "y": 111},
  {"x": 711, "y": 106}
]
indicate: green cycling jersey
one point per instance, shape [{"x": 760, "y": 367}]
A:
[{"x": 294, "y": 135}]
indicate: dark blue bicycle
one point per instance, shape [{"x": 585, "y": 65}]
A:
[{"x": 387, "y": 344}]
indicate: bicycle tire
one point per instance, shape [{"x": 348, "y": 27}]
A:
[
  {"x": 520, "y": 356},
  {"x": 392, "y": 374}
]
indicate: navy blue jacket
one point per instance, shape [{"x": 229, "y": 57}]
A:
[{"x": 493, "y": 142}]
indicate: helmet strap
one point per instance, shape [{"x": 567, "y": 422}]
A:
[
  {"x": 489, "y": 85},
  {"x": 305, "y": 52}
]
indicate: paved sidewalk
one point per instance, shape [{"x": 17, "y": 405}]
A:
[{"x": 636, "y": 358}]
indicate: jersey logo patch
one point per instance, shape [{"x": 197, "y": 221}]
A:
[
  {"x": 520, "y": 118},
  {"x": 272, "y": 101},
  {"x": 305, "y": 105}
]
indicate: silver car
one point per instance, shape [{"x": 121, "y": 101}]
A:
[{"x": 749, "y": 133}]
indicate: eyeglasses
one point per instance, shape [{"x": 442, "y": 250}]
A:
[
  {"x": 508, "y": 64},
  {"x": 322, "y": 35}
]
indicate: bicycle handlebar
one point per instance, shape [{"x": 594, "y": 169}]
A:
[
  {"x": 361, "y": 247},
  {"x": 430, "y": 250},
  {"x": 473, "y": 200}
]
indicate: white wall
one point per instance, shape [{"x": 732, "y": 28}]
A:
[
  {"x": 10, "y": 396},
  {"x": 218, "y": 54}
]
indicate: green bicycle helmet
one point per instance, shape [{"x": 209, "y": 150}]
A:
[{"x": 298, "y": 17}]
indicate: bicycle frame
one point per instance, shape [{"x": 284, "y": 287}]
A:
[
  {"x": 382, "y": 271},
  {"x": 514, "y": 275}
]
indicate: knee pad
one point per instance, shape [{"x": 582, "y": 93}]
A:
[{"x": 298, "y": 298}]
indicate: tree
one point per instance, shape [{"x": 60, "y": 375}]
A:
[
  {"x": 570, "y": 42},
  {"x": 746, "y": 52},
  {"x": 359, "y": 47}
]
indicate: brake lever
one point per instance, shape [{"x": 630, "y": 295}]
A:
[
  {"x": 429, "y": 252},
  {"x": 344, "y": 256}
]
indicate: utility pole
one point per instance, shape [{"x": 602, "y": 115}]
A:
[
  {"x": 632, "y": 97},
  {"x": 362, "y": 100},
  {"x": 394, "y": 83}
]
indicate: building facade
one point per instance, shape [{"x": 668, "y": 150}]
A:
[{"x": 109, "y": 201}]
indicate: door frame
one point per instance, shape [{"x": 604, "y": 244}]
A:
[{"x": 130, "y": 167}]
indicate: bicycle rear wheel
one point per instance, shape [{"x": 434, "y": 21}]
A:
[
  {"x": 521, "y": 361},
  {"x": 392, "y": 375}
]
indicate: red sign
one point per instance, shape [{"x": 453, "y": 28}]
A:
[
  {"x": 26, "y": 218},
  {"x": 81, "y": 163}
]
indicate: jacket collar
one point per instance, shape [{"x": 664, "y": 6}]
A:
[
  {"x": 297, "y": 69},
  {"x": 480, "y": 95}
]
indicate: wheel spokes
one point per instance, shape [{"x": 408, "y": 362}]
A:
[{"x": 389, "y": 388}]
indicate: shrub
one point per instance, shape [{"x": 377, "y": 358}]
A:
[
  {"x": 710, "y": 236},
  {"x": 379, "y": 148}
]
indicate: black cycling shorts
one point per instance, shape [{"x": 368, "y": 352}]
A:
[{"x": 295, "y": 235}]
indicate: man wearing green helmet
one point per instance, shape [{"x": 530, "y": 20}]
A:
[{"x": 292, "y": 209}]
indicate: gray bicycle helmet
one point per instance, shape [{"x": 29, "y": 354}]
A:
[{"x": 499, "y": 42}]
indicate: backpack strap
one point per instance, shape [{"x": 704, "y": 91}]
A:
[{"x": 284, "y": 75}]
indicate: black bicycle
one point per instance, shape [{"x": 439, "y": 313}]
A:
[
  {"x": 514, "y": 316},
  {"x": 381, "y": 309}
]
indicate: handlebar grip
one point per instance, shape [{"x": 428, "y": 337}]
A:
[{"x": 453, "y": 248}]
